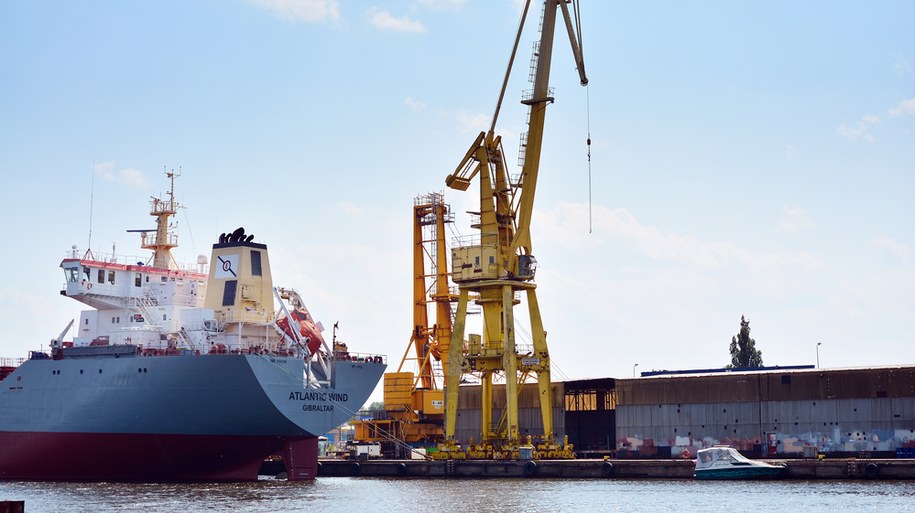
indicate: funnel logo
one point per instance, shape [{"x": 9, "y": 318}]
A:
[{"x": 226, "y": 266}]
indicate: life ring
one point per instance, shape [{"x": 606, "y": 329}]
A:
[
  {"x": 89, "y": 286},
  {"x": 686, "y": 455}
]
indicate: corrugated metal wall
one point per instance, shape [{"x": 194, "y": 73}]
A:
[
  {"x": 771, "y": 412},
  {"x": 769, "y": 386},
  {"x": 529, "y": 421}
]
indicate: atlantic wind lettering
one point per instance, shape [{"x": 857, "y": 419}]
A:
[{"x": 311, "y": 395}]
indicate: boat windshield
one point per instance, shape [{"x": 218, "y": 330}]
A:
[
  {"x": 726, "y": 455},
  {"x": 72, "y": 274}
]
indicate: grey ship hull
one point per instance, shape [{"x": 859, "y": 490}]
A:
[{"x": 169, "y": 418}]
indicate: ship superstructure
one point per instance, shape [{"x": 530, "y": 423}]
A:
[{"x": 179, "y": 374}]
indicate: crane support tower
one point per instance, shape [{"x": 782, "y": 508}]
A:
[
  {"x": 414, "y": 406},
  {"x": 497, "y": 265}
]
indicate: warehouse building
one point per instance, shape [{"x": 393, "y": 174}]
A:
[{"x": 768, "y": 412}]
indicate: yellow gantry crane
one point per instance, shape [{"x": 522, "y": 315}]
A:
[
  {"x": 498, "y": 264},
  {"x": 414, "y": 401}
]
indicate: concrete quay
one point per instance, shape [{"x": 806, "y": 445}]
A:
[{"x": 608, "y": 469}]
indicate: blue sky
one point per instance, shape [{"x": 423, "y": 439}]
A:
[{"x": 749, "y": 158}]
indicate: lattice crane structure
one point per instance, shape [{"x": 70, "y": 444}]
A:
[{"x": 497, "y": 264}]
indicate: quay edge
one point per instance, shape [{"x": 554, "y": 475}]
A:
[{"x": 901, "y": 469}]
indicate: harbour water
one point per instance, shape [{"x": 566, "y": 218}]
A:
[{"x": 353, "y": 495}]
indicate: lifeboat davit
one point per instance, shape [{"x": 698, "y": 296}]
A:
[{"x": 309, "y": 333}]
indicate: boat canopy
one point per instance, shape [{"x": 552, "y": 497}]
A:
[{"x": 707, "y": 458}]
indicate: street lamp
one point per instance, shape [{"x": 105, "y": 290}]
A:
[
  {"x": 633, "y": 369},
  {"x": 818, "y": 354}
]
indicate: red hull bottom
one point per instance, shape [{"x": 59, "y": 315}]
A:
[{"x": 149, "y": 458}]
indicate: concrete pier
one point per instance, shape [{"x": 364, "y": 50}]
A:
[{"x": 612, "y": 468}]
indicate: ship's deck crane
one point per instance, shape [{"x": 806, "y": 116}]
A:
[{"x": 499, "y": 262}]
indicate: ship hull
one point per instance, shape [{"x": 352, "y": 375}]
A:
[
  {"x": 136, "y": 457},
  {"x": 170, "y": 418},
  {"x": 748, "y": 472}
]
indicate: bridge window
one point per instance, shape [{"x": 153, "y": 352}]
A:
[
  {"x": 256, "y": 263},
  {"x": 111, "y": 277},
  {"x": 101, "y": 276},
  {"x": 228, "y": 294},
  {"x": 138, "y": 280}
]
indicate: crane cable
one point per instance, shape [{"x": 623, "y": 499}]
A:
[
  {"x": 588, "y": 95},
  {"x": 576, "y": 9}
]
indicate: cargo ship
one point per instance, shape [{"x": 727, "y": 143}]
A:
[{"x": 178, "y": 373}]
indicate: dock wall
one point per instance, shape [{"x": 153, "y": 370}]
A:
[{"x": 774, "y": 414}]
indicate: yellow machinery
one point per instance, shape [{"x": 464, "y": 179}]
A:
[
  {"x": 498, "y": 264},
  {"x": 414, "y": 403}
]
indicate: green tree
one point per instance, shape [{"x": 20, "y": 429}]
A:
[
  {"x": 743, "y": 348},
  {"x": 374, "y": 406}
]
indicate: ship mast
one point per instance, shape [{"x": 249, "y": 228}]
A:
[{"x": 166, "y": 239}]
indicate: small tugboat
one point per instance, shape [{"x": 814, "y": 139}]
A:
[
  {"x": 177, "y": 373},
  {"x": 723, "y": 462}
]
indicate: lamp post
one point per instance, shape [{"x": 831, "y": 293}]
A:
[
  {"x": 818, "y": 354},
  {"x": 633, "y": 369}
]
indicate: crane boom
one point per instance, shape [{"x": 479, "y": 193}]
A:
[
  {"x": 498, "y": 265},
  {"x": 538, "y": 102}
]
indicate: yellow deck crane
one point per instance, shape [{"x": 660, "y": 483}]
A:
[
  {"x": 414, "y": 403},
  {"x": 499, "y": 263}
]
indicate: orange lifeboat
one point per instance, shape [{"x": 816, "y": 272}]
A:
[{"x": 308, "y": 331}]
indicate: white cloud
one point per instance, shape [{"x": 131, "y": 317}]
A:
[
  {"x": 132, "y": 177},
  {"x": 350, "y": 209},
  {"x": 901, "y": 66},
  {"x": 472, "y": 123},
  {"x": 103, "y": 169},
  {"x": 795, "y": 219},
  {"x": 128, "y": 176},
  {"x": 302, "y": 10},
  {"x": 383, "y": 20},
  {"x": 565, "y": 220},
  {"x": 442, "y": 4},
  {"x": 892, "y": 246},
  {"x": 414, "y": 104},
  {"x": 905, "y": 108},
  {"x": 860, "y": 130}
]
